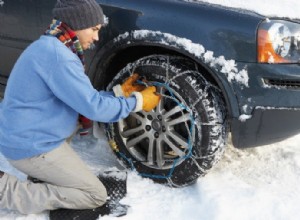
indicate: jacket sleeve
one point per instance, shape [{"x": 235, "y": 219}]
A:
[{"x": 70, "y": 84}]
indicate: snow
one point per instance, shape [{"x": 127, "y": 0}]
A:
[
  {"x": 257, "y": 183},
  {"x": 227, "y": 67},
  {"x": 244, "y": 117},
  {"x": 276, "y": 8}
]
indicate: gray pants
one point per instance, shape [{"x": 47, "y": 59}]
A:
[{"x": 68, "y": 184}]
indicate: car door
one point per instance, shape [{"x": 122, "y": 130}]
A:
[{"x": 21, "y": 22}]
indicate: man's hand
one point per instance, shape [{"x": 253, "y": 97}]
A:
[
  {"x": 150, "y": 99},
  {"x": 129, "y": 86}
]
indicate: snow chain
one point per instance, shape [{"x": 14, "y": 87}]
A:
[{"x": 110, "y": 134}]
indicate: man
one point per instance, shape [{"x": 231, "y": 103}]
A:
[{"x": 46, "y": 92}]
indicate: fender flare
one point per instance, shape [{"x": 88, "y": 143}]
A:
[{"x": 215, "y": 66}]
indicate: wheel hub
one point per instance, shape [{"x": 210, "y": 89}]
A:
[{"x": 156, "y": 125}]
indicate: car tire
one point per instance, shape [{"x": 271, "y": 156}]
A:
[{"x": 184, "y": 136}]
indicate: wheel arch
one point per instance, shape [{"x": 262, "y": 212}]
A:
[{"x": 114, "y": 55}]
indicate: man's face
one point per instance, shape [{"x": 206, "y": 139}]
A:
[{"x": 88, "y": 36}]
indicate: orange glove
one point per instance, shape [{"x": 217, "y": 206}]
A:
[
  {"x": 128, "y": 86},
  {"x": 150, "y": 99}
]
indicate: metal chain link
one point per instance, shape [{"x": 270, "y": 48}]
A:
[{"x": 190, "y": 129}]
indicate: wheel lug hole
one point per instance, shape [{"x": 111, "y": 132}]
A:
[
  {"x": 159, "y": 117},
  {"x": 163, "y": 129},
  {"x": 156, "y": 134},
  {"x": 148, "y": 127},
  {"x": 150, "y": 117}
]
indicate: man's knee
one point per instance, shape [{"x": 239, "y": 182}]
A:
[{"x": 99, "y": 195}]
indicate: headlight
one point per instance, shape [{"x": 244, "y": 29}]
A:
[{"x": 278, "y": 42}]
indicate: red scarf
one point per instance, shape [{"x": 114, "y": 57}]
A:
[{"x": 68, "y": 37}]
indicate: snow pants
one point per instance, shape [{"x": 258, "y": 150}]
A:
[{"x": 68, "y": 183}]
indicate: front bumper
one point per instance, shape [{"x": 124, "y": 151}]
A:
[
  {"x": 272, "y": 101},
  {"x": 266, "y": 126}
]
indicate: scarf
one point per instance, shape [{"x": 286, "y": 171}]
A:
[{"x": 67, "y": 36}]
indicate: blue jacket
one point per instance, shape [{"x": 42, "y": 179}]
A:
[{"x": 45, "y": 92}]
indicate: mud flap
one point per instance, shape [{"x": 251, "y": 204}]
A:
[{"x": 115, "y": 183}]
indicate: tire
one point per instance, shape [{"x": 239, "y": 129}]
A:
[{"x": 172, "y": 144}]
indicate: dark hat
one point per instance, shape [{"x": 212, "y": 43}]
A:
[{"x": 79, "y": 14}]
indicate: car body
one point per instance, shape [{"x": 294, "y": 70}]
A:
[{"x": 229, "y": 47}]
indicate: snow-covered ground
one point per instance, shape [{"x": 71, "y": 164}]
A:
[{"x": 258, "y": 183}]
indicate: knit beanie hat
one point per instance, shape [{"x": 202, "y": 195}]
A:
[{"x": 78, "y": 14}]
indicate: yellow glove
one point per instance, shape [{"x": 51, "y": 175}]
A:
[
  {"x": 150, "y": 99},
  {"x": 128, "y": 86}
]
